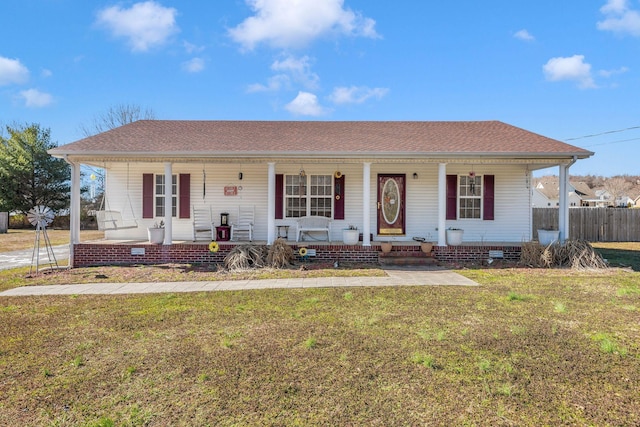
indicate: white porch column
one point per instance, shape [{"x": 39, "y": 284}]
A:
[
  {"x": 74, "y": 211},
  {"x": 563, "y": 213},
  {"x": 168, "y": 203},
  {"x": 271, "y": 203},
  {"x": 442, "y": 204},
  {"x": 366, "y": 204}
]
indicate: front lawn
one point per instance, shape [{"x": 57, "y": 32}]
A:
[{"x": 527, "y": 347}]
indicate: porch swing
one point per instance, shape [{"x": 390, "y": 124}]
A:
[{"x": 108, "y": 219}]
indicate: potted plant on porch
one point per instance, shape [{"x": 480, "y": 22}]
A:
[
  {"x": 386, "y": 246},
  {"x": 547, "y": 236},
  {"x": 426, "y": 245},
  {"x": 350, "y": 235},
  {"x": 156, "y": 233},
  {"x": 454, "y": 236}
]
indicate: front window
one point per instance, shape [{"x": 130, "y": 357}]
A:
[
  {"x": 308, "y": 195},
  {"x": 160, "y": 192},
  {"x": 470, "y": 192}
]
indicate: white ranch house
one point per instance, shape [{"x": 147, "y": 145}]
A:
[{"x": 392, "y": 180}]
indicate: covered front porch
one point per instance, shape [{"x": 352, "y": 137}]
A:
[{"x": 425, "y": 208}]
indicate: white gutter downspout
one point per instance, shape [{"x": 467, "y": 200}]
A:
[
  {"x": 74, "y": 209},
  {"x": 563, "y": 213}
]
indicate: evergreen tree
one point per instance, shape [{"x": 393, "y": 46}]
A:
[{"x": 29, "y": 176}]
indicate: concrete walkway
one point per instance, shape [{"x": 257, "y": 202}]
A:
[{"x": 409, "y": 276}]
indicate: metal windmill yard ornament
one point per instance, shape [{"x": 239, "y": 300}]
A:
[{"x": 41, "y": 216}]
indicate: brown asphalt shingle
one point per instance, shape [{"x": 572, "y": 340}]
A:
[{"x": 315, "y": 137}]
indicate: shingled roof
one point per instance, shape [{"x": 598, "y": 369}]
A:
[{"x": 329, "y": 138}]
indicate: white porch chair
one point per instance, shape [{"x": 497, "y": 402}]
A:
[
  {"x": 202, "y": 220},
  {"x": 243, "y": 223}
]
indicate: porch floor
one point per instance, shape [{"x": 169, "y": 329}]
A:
[{"x": 411, "y": 243}]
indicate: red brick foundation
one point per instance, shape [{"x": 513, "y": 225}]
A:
[
  {"x": 91, "y": 254},
  {"x": 474, "y": 253}
]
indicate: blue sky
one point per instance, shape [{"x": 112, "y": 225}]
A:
[{"x": 565, "y": 69}]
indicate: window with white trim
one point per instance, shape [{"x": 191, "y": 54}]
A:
[
  {"x": 470, "y": 197},
  {"x": 308, "y": 195},
  {"x": 160, "y": 193}
]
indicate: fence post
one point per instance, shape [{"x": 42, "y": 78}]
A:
[{"x": 4, "y": 222}]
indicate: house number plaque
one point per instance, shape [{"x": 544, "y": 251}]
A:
[{"x": 231, "y": 190}]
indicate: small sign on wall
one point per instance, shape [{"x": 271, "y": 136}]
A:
[{"x": 231, "y": 190}]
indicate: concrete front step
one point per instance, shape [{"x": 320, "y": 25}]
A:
[{"x": 405, "y": 258}]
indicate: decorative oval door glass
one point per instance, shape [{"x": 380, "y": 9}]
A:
[
  {"x": 390, "y": 201},
  {"x": 391, "y": 204}
]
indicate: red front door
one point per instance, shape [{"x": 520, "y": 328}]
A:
[{"x": 391, "y": 204}]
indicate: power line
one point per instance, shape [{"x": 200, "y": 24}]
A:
[
  {"x": 612, "y": 142},
  {"x": 603, "y": 133}
]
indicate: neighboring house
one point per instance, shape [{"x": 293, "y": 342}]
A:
[
  {"x": 601, "y": 198},
  {"x": 604, "y": 199},
  {"x": 393, "y": 180},
  {"x": 546, "y": 193}
]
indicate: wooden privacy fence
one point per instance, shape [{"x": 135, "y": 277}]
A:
[{"x": 593, "y": 224}]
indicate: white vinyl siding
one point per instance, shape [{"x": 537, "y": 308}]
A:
[{"x": 512, "y": 207}]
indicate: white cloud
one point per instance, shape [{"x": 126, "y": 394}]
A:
[
  {"x": 144, "y": 25},
  {"x": 572, "y": 68},
  {"x": 299, "y": 69},
  {"x": 524, "y": 35},
  {"x": 305, "y": 104},
  {"x": 289, "y": 70},
  {"x": 356, "y": 95},
  {"x": 192, "y": 48},
  {"x": 274, "y": 84},
  {"x": 12, "y": 72},
  {"x": 620, "y": 18},
  {"x": 46, "y": 73},
  {"x": 294, "y": 24},
  {"x": 610, "y": 73},
  {"x": 194, "y": 65},
  {"x": 615, "y": 6},
  {"x": 36, "y": 99}
]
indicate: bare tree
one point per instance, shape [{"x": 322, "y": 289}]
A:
[
  {"x": 616, "y": 187},
  {"x": 115, "y": 116}
]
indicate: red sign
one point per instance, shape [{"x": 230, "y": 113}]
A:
[{"x": 231, "y": 190}]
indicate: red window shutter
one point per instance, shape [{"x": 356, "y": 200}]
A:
[
  {"x": 452, "y": 196},
  {"x": 279, "y": 196},
  {"x": 489, "y": 192},
  {"x": 338, "y": 204},
  {"x": 185, "y": 195},
  {"x": 147, "y": 195}
]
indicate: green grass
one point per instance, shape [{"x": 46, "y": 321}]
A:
[
  {"x": 620, "y": 254},
  {"x": 381, "y": 356}
]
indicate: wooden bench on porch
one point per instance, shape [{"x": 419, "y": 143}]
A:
[{"x": 308, "y": 224}]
